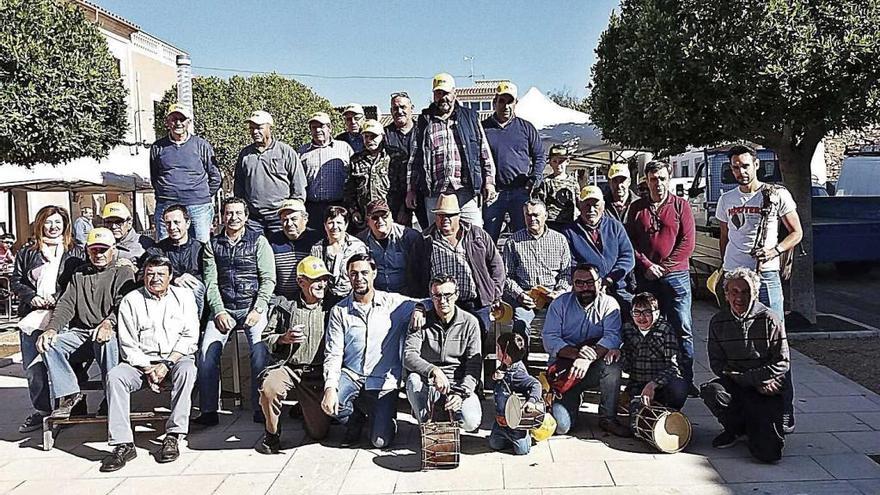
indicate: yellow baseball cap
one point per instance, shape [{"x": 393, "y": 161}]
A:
[
  {"x": 354, "y": 108},
  {"x": 443, "y": 82},
  {"x": 590, "y": 192},
  {"x": 506, "y": 88},
  {"x": 115, "y": 210},
  {"x": 100, "y": 237},
  {"x": 178, "y": 108},
  {"x": 618, "y": 170},
  {"x": 320, "y": 117},
  {"x": 261, "y": 117},
  {"x": 312, "y": 267},
  {"x": 291, "y": 205},
  {"x": 373, "y": 127}
]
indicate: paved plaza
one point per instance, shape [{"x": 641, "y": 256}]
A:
[{"x": 838, "y": 427}]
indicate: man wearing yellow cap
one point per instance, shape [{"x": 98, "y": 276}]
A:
[
  {"x": 619, "y": 196},
  {"x": 326, "y": 162},
  {"x": 295, "y": 337},
  {"x": 85, "y": 317},
  {"x": 451, "y": 155},
  {"x": 267, "y": 172},
  {"x": 353, "y": 116},
  {"x": 130, "y": 245},
  {"x": 598, "y": 239},
  {"x": 368, "y": 179},
  {"x": 519, "y": 161}
]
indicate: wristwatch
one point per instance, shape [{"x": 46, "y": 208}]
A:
[
  {"x": 260, "y": 309},
  {"x": 168, "y": 364}
]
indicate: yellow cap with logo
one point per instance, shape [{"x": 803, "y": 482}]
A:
[
  {"x": 443, "y": 82},
  {"x": 115, "y": 210},
  {"x": 618, "y": 170},
  {"x": 506, "y": 88},
  {"x": 100, "y": 236},
  {"x": 373, "y": 127},
  {"x": 590, "y": 192},
  {"x": 312, "y": 267}
]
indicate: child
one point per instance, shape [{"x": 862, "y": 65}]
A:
[{"x": 512, "y": 377}]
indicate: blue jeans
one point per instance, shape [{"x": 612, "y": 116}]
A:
[
  {"x": 210, "y": 351},
  {"x": 503, "y": 437},
  {"x": 672, "y": 395},
  {"x": 201, "y": 218},
  {"x": 770, "y": 292},
  {"x": 419, "y": 395},
  {"x": 378, "y": 405},
  {"x": 509, "y": 201},
  {"x": 673, "y": 290},
  {"x": 37, "y": 379},
  {"x": 599, "y": 374},
  {"x": 76, "y": 344}
]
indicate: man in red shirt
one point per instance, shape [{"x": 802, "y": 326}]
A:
[{"x": 661, "y": 228}]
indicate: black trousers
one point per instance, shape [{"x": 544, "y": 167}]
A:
[{"x": 745, "y": 411}]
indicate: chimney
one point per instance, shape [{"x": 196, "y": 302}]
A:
[{"x": 184, "y": 81}]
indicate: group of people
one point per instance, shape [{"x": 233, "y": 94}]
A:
[{"x": 343, "y": 303}]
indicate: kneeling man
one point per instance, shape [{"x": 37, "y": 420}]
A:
[
  {"x": 444, "y": 359},
  {"x": 158, "y": 338}
]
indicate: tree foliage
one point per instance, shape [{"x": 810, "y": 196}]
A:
[
  {"x": 564, "y": 97},
  {"x": 61, "y": 96},
  {"x": 222, "y": 105}
]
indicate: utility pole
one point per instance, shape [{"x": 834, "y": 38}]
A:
[{"x": 470, "y": 58}]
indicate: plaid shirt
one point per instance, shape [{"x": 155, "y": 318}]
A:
[
  {"x": 650, "y": 357},
  {"x": 533, "y": 261},
  {"x": 326, "y": 169},
  {"x": 443, "y": 159},
  {"x": 449, "y": 260}
]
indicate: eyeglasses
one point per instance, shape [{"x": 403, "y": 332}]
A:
[
  {"x": 115, "y": 221},
  {"x": 584, "y": 283},
  {"x": 642, "y": 313},
  {"x": 379, "y": 216},
  {"x": 403, "y": 94},
  {"x": 443, "y": 296}
]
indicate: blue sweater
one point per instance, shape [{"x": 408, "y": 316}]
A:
[
  {"x": 616, "y": 258},
  {"x": 518, "y": 153},
  {"x": 185, "y": 174}
]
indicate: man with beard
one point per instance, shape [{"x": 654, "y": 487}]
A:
[
  {"x": 130, "y": 246},
  {"x": 584, "y": 326},
  {"x": 619, "y": 196},
  {"x": 291, "y": 245},
  {"x": 661, "y": 228},
  {"x": 297, "y": 345},
  {"x": 369, "y": 178},
  {"x": 451, "y": 155},
  {"x": 267, "y": 172},
  {"x": 391, "y": 245},
  {"x": 183, "y": 170},
  {"x": 362, "y": 365},
  {"x": 185, "y": 253},
  {"x": 744, "y": 213},
  {"x": 519, "y": 161},
  {"x": 600, "y": 240},
  {"x": 326, "y": 161},
  {"x": 353, "y": 116},
  {"x": 399, "y": 134},
  {"x": 748, "y": 352}
]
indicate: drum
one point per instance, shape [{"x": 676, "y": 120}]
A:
[
  {"x": 441, "y": 445},
  {"x": 666, "y": 429},
  {"x": 518, "y": 418}
]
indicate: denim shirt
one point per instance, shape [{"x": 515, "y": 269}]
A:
[
  {"x": 569, "y": 323},
  {"x": 391, "y": 261}
]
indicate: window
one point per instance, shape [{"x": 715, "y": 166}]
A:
[
  {"x": 685, "y": 169},
  {"x": 487, "y": 105}
]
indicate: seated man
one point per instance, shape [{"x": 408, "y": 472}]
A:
[
  {"x": 391, "y": 245},
  {"x": 130, "y": 245},
  {"x": 362, "y": 365},
  {"x": 650, "y": 356},
  {"x": 583, "y": 326},
  {"x": 185, "y": 252},
  {"x": 158, "y": 337},
  {"x": 296, "y": 341},
  {"x": 444, "y": 360},
  {"x": 536, "y": 257},
  {"x": 293, "y": 243},
  {"x": 240, "y": 279},
  {"x": 748, "y": 351},
  {"x": 85, "y": 316}
]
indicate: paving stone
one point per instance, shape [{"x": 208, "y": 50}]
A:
[
  {"x": 814, "y": 444},
  {"x": 369, "y": 481},
  {"x": 831, "y": 422},
  {"x": 641, "y": 490},
  {"x": 867, "y": 442},
  {"x": 867, "y": 487},
  {"x": 670, "y": 470},
  {"x": 790, "y": 468},
  {"x": 871, "y": 419},
  {"x": 572, "y": 473},
  {"x": 67, "y": 487},
  {"x": 836, "y": 389},
  {"x": 238, "y": 484},
  {"x": 849, "y": 466},
  {"x": 145, "y": 465},
  {"x": 6, "y": 486},
  {"x": 568, "y": 449},
  {"x": 67, "y": 467},
  {"x": 190, "y": 485},
  {"x": 795, "y": 487},
  {"x": 852, "y": 403},
  {"x": 237, "y": 461},
  {"x": 310, "y": 477},
  {"x": 468, "y": 476}
]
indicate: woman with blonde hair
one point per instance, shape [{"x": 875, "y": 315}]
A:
[{"x": 42, "y": 269}]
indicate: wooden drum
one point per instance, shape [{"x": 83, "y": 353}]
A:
[{"x": 665, "y": 429}]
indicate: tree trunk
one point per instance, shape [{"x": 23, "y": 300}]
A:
[{"x": 797, "y": 176}]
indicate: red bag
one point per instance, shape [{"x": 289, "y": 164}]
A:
[{"x": 559, "y": 373}]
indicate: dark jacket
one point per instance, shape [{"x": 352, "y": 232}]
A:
[
  {"x": 184, "y": 259},
  {"x": 485, "y": 261},
  {"x": 615, "y": 260},
  {"x": 30, "y": 258},
  {"x": 284, "y": 314},
  {"x": 468, "y": 136},
  {"x": 453, "y": 347},
  {"x": 369, "y": 180},
  {"x": 237, "y": 274}
]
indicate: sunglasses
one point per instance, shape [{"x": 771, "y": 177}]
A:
[
  {"x": 399, "y": 93},
  {"x": 379, "y": 216}
]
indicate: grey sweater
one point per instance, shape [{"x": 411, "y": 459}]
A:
[
  {"x": 453, "y": 347},
  {"x": 91, "y": 297}
]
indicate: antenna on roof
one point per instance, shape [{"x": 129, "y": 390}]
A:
[{"x": 470, "y": 58}]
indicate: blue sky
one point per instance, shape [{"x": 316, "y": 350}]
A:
[{"x": 545, "y": 44}]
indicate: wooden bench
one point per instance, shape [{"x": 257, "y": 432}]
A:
[
  {"x": 705, "y": 260},
  {"x": 52, "y": 427}
]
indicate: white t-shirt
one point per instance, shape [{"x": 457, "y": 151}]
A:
[{"x": 742, "y": 214}]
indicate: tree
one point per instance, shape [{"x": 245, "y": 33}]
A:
[
  {"x": 221, "y": 107},
  {"x": 61, "y": 95},
  {"x": 778, "y": 73},
  {"x": 564, "y": 97}
]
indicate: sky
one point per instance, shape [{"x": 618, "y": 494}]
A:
[{"x": 549, "y": 45}]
